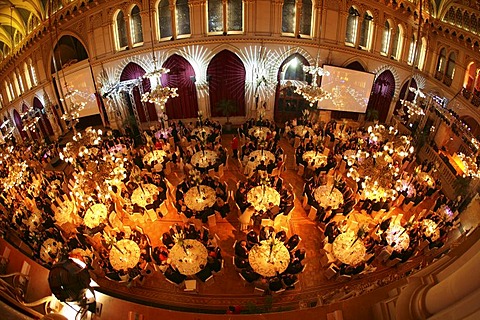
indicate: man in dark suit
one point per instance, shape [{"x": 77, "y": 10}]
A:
[{"x": 241, "y": 249}]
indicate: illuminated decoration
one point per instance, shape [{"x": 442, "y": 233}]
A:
[
  {"x": 470, "y": 167},
  {"x": 313, "y": 93},
  {"x": 74, "y": 107},
  {"x": 29, "y": 120},
  {"x": 413, "y": 109}
]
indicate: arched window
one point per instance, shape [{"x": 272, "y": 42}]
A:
[
  {"x": 412, "y": 49},
  {"x": 366, "y": 31},
  {"x": 121, "y": 31},
  {"x": 12, "y": 91},
  {"x": 442, "y": 61},
  {"x": 7, "y": 90},
  {"x": 17, "y": 38},
  {"x": 20, "y": 81},
  {"x": 297, "y": 18},
  {"x": 306, "y": 18},
  {"x": 473, "y": 23},
  {"x": 136, "y": 26},
  {"x": 352, "y": 26},
  {"x": 33, "y": 22},
  {"x": 466, "y": 20},
  {"x": 450, "y": 70},
  {"x": 16, "y": 86},
  {"x": 397, "y": 43},
  {"x": 451, "y": 15},
  {"x": 26, "y": 73},
  {"x": 182, "y": 17},
  {"x": 164, "y": 20},
  {"x": 458, "y": 18},
  {"x": 423, "y": 53},
  {"x": 288, "y": 17},
  {"x": 234, "y": 16},
  {"x": 470, "y": 73},
  {"x": 387, "y": 34},
  {"x": 215, "y": 16},
  {"x": 33, "y": 73}
]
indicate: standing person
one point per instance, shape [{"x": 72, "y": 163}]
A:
[{"x": 235, "y": 147}]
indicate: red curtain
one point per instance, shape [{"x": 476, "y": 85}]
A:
[
  {"x": 226, "y": 76},
  {"x": 44, "y": 123},
  {"x": 382, "y": 94},
  {"x": 181, "y": 76},
  {"x": 134, "y": 71},
  {"x": 18, "y": 123}
]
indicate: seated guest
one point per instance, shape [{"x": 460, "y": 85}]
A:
[
  {"x": 204, "y": 273},
  {"x": 299, "y": 254},
  {"x": 249, "y": 275},
  {"x": 174, "y": 275},
  {"x": 241, "y": 249},
  {"x": 281, "y": 235},
  {"x": 294, "y": 267},
  {"x": 240, "y": 262},
  {"x": 252, "y": 239},
  {"x": 289, "y": 279},
  {"x": 292, "y": 242},
  {"x": 214, "y": 264},
  {"x": 275, "y": 284},
  {"x": 266, "y": 232},
  {"x": 167, "y": 240}
]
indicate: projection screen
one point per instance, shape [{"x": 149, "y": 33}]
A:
[{"x": 350, "y": 89}]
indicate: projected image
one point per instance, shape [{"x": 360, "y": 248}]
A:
[{"x": 350, "y": 89}]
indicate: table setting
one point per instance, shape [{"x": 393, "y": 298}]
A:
[
  {"x": 124, "y": 254},
  {"x": 200, "y": 197},
  {"x": 204, "y": 158},
  {"x": 188, "y": 256},
  {"x": 349, "y": 249},
  {"x": 269, "y": 257},
  {"x": 95, "y": 215},
  {"x": 317, "y": 158},
  {"x": 328, "y": 196},
  {"x": 261, "y": 196}
]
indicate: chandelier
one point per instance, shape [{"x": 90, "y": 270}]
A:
[
  {"x": 470, "y": 165},
  {"x": 29, "y": 120},
  {"x": 72, "y": 114},
  {"x": 312, "y": 92}
]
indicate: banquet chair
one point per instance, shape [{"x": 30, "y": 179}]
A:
[
  {"x": 259, "y": 291},
  {"x": 276, "y": 172},
  {"x": 211, "y": 173},
  {"x": 296, "y": 143},
  {"x": 278, "y": 291},
  {"x": 221, "y": 168},
  {"x": 385, "y": 254},
  {"x": 212, "y": 220},
  {"x": 301, "y": 169},
  {"x": 163, "y": 208},
  {"x": 392, "y": 262},
  {"x": 190, "y": 286},
  {"x": 343, "y": 167},
  {"x": 336, "y": 315},
  {"x": 312, "y": 214},
  {"x": 168, "y": 168},
  {"x": 209, "y": 281},
  {"x": 326, "y": 151},
  {"x": 344, "y": 277},
  {"x": 331, "y": 271},
  {"x": 327, "y": 259},
  {"x": 305, "y": 204}
]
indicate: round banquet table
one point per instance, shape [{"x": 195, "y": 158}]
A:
[
  {"x": 95, "y": 215},
  {"x": 260, "y": 196},
  {"x": 318, "y": 159},
  {"x": 155, "y": 155},
  {"x": 124, "y": 254},
  {"x": 397, "y": 234},
  {"x": 200, "y": 201},
  {"x": 260, "y": 155},
  {"x": 267, "y": 262},
  {"x": 347, "y": 252},
  {"x": 425, "y": 178},
  {"x": 301, "y": 131},
  {"x": 259, "y": 132},
  {"x": 326, "y": 197},
  {"x": 383, "y": 159},
  {"x": 34, "y": 221},
  {"x": 65, "y": 213},
  {"x": 203, "y": 159},
  {"x": 49, "y": 250},
  {"x": 430, "y": 229},
  {"x": 143, "y": 195},
  {"x": 188, "y": 255},
  {"x": 201, "y": 132}
]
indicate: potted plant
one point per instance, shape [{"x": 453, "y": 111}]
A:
[
  {"x": 372, "y": 115},
  {"x": 227, "y": 108}
]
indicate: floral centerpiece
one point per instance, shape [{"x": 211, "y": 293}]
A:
[{"x": 196, "y": 179}]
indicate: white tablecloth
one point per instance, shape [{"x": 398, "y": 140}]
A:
[
  {"x": 261, "y": 196},
  {"x": 318, "y": 159},
  {"x": 326, "y": 197},
  {"x": 188, "y": 255},
  {"x": 260, "y": 155},
  {"x": 430, "y": 229},
  {"x": 200, "y": 202},
  {"x": 144, "y": 195},
  {"x": 203, "y": 159},
  {"x": 202, "y": 132},
  {"x": 301, "y": 131},
  {"x": 267, "y": 260},
  {"x": 126, "y": 257},
  {"x": 95, "y": 215},
  {"x": 425, "y": 178},
  {"x": 259, "y": 132},
  {"x": 155, "y": 155},
  {"x": 397, "y": 234},
  {"x": 347, "y": 252}
]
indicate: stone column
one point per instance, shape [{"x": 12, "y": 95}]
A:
[{"x": 276, "y": 22}]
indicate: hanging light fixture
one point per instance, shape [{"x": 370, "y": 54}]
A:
[
  {"x": 312, "y": 92},
  {"x": 158, "y": 94}
]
